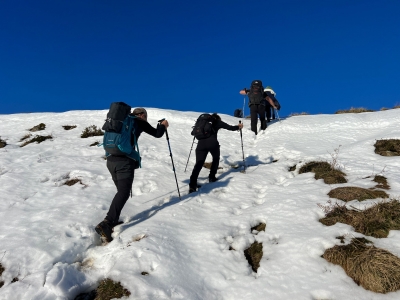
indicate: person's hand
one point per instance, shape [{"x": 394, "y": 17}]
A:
[
  {"x": 243, "y": 92},
  {"x": 165, "y": 123},
  {"x": 240, "y": 125}
]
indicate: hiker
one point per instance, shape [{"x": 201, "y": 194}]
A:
[
  {"x": 270, "y": 102},
  {"x": 209, "y": 144},
  {"x": 122, "y": 170},
  {"x": 256, "y": 104}
]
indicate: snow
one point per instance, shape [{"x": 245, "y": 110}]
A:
[{"x": 47, "y": 228}]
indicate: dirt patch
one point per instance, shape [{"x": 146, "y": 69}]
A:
[
  {"x": 390, "y": 147},
  {"x": 73, "y": 181},
  {"x": 381, "y": 182},
  {"x": 254, "y": 254},
  {"x": 292, "y": 168},
  {"x": 374, "y": 269},
  {"x": 323, "y": 170},
  {"x": 375, "y": 221},
  {"x": 259, "y": 227},
  {"x": 349, "y": 193},
  {"x": 2, "y": 143}
]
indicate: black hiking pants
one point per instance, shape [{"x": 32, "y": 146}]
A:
[
  {"x": 201, "y": 155},
  {"x": 270, "y": 112},
  {"x": 257, "y": 110},
  {"x": 122, "y": 170}
]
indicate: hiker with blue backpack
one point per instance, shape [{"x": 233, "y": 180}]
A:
[
  {"x": 122, "y": 131},
  {"x": 205, "y": 131}
]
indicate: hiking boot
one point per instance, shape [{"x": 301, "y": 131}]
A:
[
  {"x": 212, "y": 179},
  {"x": 104, "y": 229},
  {"x": 192, "y": 189}
]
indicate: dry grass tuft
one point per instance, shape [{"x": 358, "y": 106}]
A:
[
  {"x": 38, "y": 127},
  {"x": 298, "y": 114},
  {"x": 37, "y": 139},
  {"x": 353, "y": 110},
  {"x": 69, "y": 127},
  {"x": 2, "y": 143},
  {"x": 73, "y": 181},
  {"x": 390, "y": 147},
  {"x": 324, "y": 170},
  {"x": 91, "y": 131},
  {"x": 381, "y": 182},
  {"x": 259, "y": 227},
  {"x": 292, "y": 168},
  {"x": 253, "y": 255},
  {"x": 207, "y": 165},
  {"x": 349, "y": 193},
  {"x": 374, "y": 269},
  {"x": 106, "y": 290},
  {"x": 375, "y": 221}
]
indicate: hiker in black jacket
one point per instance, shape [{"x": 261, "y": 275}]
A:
[
  {"x": 211, "y": 145},
  {"x": 269, "y": 102},
  {"x": 122, "y": 170}
]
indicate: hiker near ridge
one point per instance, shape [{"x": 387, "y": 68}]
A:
[
  {"x": 205, "y": 130},
  {"x": 256, "y": 104},
  {"x": 270, "y": 102},
  {"x": 122, "y": 170}
]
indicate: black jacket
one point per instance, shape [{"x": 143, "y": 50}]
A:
[
  {"x": 143, "y": 126},
  {"x": 212, "y": 141}
]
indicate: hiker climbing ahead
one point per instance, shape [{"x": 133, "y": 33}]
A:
[
  {"x": 256, "y": 104},
  {"x": 205, "y": 130},
  {"x": 122, "y": 165}
]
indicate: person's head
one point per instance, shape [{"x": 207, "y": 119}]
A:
[
  {"x": 140, "y": 112},
  {"x": 269, "y": 89}
]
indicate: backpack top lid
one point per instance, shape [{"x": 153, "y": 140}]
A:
[
  {"x": 256, "y": 83},
  {"x": 269, "y": 89}
]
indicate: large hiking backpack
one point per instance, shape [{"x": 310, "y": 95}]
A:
[
  {"x": 203, "y": 128},
  {"x": 256, "y": 92},
  {"x": 118, "y": 128}
]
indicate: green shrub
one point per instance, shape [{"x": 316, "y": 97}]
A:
[{"x": 91, "y": 131}]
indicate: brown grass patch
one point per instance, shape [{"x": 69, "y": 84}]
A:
[
  {"x": 38, "y": 127},
  {"x": 299, "y": 114},
  {"x": 207, "y": 165},
  {"x": 324, "y": 170},
  {"x": 381, "y": 182},
  {"x": 91, "y": 131},
  {"x": 259, "y": 227},
  {"x": 73, "y": 181},
  {"x": 107, "y": 290},
  {"x": 2, "y": 143},
  {"x": 375, "y": 221},
  {"x": 373, "y": 268},
  {"x": 69, "y": 127},
  {"x": 349, "y": 193},
  {"x": 292, "y": 168},
  {"x": 253, "y": 255},
  {"x": 37, "y": 139},
  {"x": 353, "y": 110},
  {"x": 390, "y": 147}
]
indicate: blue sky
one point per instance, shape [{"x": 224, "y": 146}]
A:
[{"x": 319, "y": 56}]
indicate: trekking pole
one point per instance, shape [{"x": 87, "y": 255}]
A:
[
  {"x": 244, "y": 102},
  {"x": 172, "y": 160},
  {"x": 189, "y": 153},
  {"x": 276, "y": 111},
  {"x": 241, "y": 138}
]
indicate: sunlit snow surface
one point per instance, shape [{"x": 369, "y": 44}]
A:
[{"x": 47, "y": 231}]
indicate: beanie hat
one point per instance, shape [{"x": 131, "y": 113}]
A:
[
  {"x": 138, "y": 111},
  {"x": 269, "y": 89}
]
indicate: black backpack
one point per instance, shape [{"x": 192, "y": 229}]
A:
[
  {"x": 238, "y": 113},
  {"x": 256, "y": 94},
  {"x": 203, "y": 128}
]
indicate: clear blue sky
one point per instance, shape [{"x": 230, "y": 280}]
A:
[{"x": 318, "y": 55}]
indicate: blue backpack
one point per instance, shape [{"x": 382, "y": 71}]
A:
[{"x": 118, "y": 128}]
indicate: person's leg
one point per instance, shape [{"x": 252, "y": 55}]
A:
[
  {"x": 261, "y": 112},
  {"x": 268, "y": 111},
  {"x": 124, "y": 187},
  {"x": 254, "y": 117},
  {"x": 201, "y": 156},
  {"x": 215, "y": 153}
]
